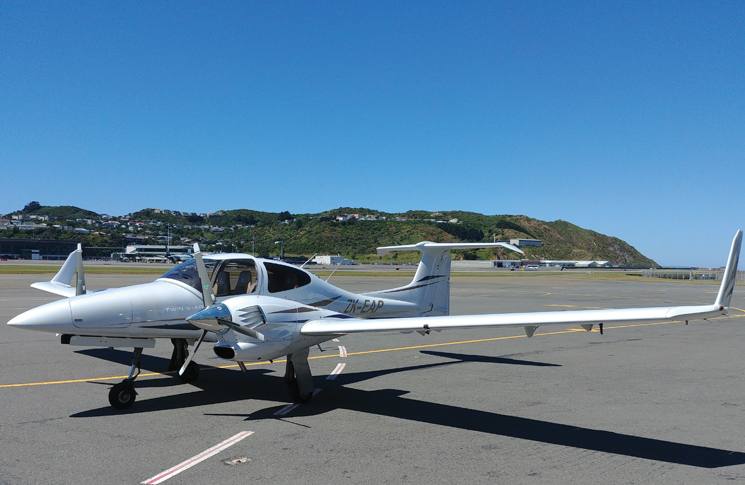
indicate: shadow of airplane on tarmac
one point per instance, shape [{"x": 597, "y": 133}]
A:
[{"x": 225, "y": 385}]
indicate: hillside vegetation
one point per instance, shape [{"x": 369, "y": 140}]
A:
[{"x": 307, "y": 234}]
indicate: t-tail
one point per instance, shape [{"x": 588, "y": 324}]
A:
[{"x": 430, "y": 289}]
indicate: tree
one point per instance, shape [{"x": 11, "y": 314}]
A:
[
  {"x": 248, "y": 219},
  {"x": 31, "y": 207}
]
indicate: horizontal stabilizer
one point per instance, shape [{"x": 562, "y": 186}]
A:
[{"x": 431, "y": 247}]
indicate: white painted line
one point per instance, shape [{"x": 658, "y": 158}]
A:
[
  {"x": 339, "y": 367},
  {"x": 162, "y": 477},
  {"x": 333, "y": 340},
  {"x": 342, "y": 351},
  {"x": 290, "y": 407},
  {"x": 286, "y": 409}
]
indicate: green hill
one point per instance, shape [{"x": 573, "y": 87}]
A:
[{"x": 307, "y": 234}]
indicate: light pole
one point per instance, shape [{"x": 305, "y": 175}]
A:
[{"x": 281, "y": 248}]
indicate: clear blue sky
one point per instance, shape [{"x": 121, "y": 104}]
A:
[{"x": 625, "y": 118}]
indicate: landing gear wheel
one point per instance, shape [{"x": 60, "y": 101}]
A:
[
  {"x": 295, "y": 393},
  {"x": 122, "y": 395},
  {"x": 293, "y": 383},
  {"x": 190, "y": 374}
]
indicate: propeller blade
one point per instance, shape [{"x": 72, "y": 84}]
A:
[
  {"x": 191, "y": 356},
  {"x": 250, "y": 332},
  {"x": 208, "y": 297}
]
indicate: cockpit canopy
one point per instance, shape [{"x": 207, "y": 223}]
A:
[{"x": 241, "y": 276}]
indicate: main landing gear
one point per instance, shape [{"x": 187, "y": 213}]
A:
[
  {"x": 298, "y": 378},
  {"x": 178, "y": 357}
]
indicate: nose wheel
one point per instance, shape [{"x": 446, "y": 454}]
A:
[{"x": 123, "y": 395}]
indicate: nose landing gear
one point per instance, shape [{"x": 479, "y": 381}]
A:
[{"x": 123, "y": 395}]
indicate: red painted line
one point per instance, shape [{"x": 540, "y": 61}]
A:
[
  {"x": 342, "y": 351},
  {"x": 336, "y": 371}
]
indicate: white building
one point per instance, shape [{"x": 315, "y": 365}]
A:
[
  {"x": 144, "y": 251},
  {"x": 526, "y": 242},
  {"x": 331, "y": 260}
]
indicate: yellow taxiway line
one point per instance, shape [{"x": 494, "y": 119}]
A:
[{"x": 442, "y": 344}]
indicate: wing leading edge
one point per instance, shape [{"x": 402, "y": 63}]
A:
[{"x": 534, "y": 319}]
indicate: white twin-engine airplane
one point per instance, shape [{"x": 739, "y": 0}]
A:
[{"x": 259, "y": 310}]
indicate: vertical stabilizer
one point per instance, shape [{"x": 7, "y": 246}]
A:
[{"x": 430, "y": 288}]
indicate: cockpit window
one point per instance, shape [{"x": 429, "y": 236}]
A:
[
  {"x": 283, "y": 278},
  {"x": 186, "y": 272},
  {"x": 236, "y": 277}
]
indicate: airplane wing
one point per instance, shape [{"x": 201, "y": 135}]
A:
[
  {"x": 532, "y": 320},
  {"x": 535, "y": 319},
  {"x": 60, "y": 284}
]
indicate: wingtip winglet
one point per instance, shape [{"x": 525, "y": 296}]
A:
[{"x": 730, "y": 273}]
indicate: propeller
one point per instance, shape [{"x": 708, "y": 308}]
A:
[
  {"x": 216, "y": 317},
  {"x": 208, "y": 298}
]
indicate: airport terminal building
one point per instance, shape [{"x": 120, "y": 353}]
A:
[
  {"x": 11, "y": 248},
  {"x": 146, "y": 252}
]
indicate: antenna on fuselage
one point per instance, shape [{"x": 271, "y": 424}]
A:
[
  {"x": 332, "y": 273},
  {"x": 303, "y": 265}
]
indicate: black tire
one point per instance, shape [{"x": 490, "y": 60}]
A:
[
  {"x": 122, "y": 395},
  {"x": 295, "y": 393},
  {"x": 190, "y": 374}
]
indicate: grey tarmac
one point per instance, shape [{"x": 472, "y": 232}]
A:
[{"x": 640, "y": 404}]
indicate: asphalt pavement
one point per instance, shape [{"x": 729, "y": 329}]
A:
[{"x": 639, "y": 404}]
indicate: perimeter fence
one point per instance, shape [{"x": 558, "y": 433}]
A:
[{"x": 691, "y": 274}]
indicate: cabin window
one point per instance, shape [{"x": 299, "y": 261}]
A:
[
  {"x": 283, "y": 278},
  {"x": 235, "y": 277}
]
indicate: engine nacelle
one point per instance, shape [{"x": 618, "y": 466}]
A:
[{"x": 251, "y": 351}]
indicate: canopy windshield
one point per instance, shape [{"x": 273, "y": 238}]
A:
[{"x": 186, "y": 272}]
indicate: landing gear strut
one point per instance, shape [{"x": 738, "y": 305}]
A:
[
  {"x": 123, "y": 395},
  {"x": 298, "y": 377},
  {"x": 178, "y": 357}
]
